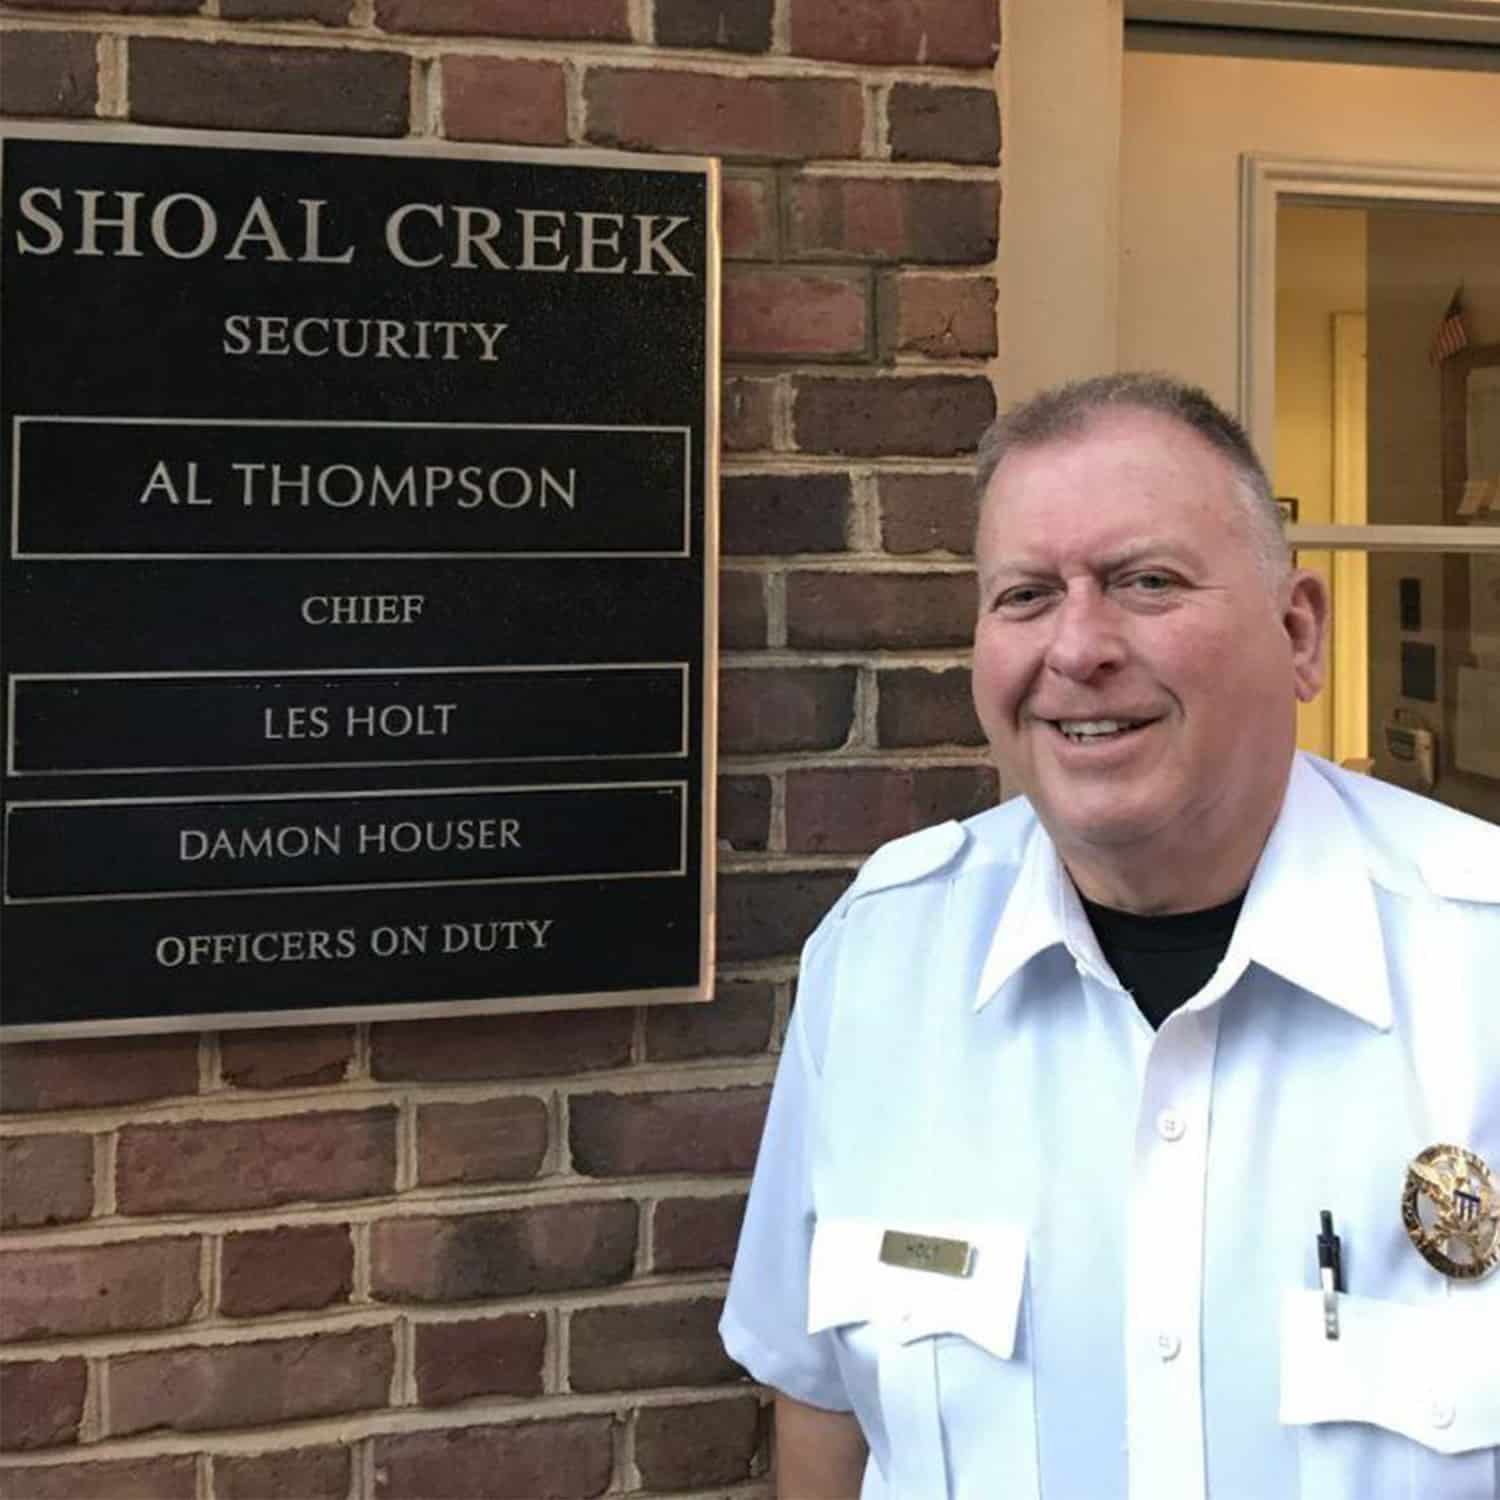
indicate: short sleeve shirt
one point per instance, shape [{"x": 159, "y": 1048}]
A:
[{"x": 1138, "y": 1211}]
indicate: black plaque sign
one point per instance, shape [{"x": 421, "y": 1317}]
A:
[{"x": 356, "y": 613}]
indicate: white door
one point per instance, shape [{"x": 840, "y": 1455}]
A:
[
  {"x": 1267, "y": 205},
  {"x": 1186, "y": 123}
]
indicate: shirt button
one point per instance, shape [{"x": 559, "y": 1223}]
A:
[
  {"x": 1440, "y": 1413},
  {"x": 1170, "y": 1125},
  {"x": 1168, "y": 1346}
]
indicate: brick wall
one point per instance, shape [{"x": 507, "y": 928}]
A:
[{"x": 485, "y": 1258}]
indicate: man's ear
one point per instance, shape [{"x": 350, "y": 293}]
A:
[{"x": 1305, "y": 619}]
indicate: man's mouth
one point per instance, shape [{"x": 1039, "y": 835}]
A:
[{"x": 1096, "y": 731}]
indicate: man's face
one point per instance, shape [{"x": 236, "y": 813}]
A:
[{"x": 1135, "y": 668}]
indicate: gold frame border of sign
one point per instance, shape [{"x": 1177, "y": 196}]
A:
[{"x": 706, "y": 466}]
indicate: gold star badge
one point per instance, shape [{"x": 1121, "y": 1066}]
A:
[{"x": 1451, "y": 1208}]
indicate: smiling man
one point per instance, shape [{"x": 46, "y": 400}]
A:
[
  {"x": 1141, "y": 644},
  {"x": 1069, "y": 1088}
]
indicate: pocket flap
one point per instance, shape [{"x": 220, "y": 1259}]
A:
[
  {"x": 849, "y": 1283},
  {"x": 1428, "y": 1371}
]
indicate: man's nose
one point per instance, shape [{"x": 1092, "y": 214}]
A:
[{"x": 1086, "y": 638}]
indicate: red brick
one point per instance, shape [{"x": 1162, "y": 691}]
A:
[
  {"x": 480, "y": 1357},
  {"x": 779, "y": 514},
  {"x": 493, "y": 1140},
  {"x": 696, "y": 1130},
  {"x": 498, "y": 1047},
  {"x": 567, "y": 1460},
  {"x": 215, "y": 1386},
  {"x": 693, "y": 1447},
  {"x": 45, "y": 1179},
  {"x": 696, "y": 1234},
  {"x": 267, "y": 88},
  {"x": 207, "y": 1166},
  {"x": 890, "y": 611},
  {"x": 785, "y": 708},
  {"x": 553, "y": 1248},
  {"x": 962, "y": 32},
  {"x": 289, "y": 1058},
  {"x": 781, "y": 118},
  {"x": 929, "y": 416},
  {"x": 918, "y": 706},
  {"x": 742, "y": 611},
  {"x": 730, "y": 25},
  {"x": 583, "y": 20},
  {"x": 41, "y": 1402},
  {"x": 646, "y": 1345},
  {"x": 927, "y": 513},
  {"x": 163, "y": 1478},
  {"x": 49, "y": 72},
  {"x": 277, "y": 1270},
  {"x": 927, "y": 219},
  {"x": 503, "y": 99},
  {"x": 320, "y": 1473},
  {"x": 770, "y": 916},
  {"x": 747, "y": 211},
  {"x": 942, "y": 124},
  {"x": 942, "y": 317},
  {"x": 851, "y": 811},
  {"x": 735, "y": 1023},
  {"x": 98, "y": 1288},
  {"x": 744, "y": 824},
  {"x": 328, "y": 12},
  {"x": 117, "y": 7},
  {"x": 747, "y": 415},
  {"x": 100, "y": 1071},
  {"x": 782, "y": 314}
]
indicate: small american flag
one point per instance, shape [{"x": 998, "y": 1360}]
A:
[{"x": 1451, "y": 335}]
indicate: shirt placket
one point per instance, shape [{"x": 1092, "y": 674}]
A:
[{"x": 1164, "y": 1291}]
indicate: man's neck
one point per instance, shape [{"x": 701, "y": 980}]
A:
[{"x": 1158, "y": 878}]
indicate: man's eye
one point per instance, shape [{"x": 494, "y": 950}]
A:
[
  {"x": 1022, "y": 596},
  {"x": 1151, "y": 583}
]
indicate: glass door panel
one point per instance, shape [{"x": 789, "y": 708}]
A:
[{"x": 1388, "y": 422}]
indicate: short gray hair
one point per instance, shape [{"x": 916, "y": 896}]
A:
[{"x": 1066, "y": 411}]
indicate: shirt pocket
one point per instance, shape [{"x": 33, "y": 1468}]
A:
[
  {"x": 932, "y": 1359},
  {"x": 1404, "y": 1404}
]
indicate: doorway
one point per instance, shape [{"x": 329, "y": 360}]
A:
[{"x": 1257, "y": 257}]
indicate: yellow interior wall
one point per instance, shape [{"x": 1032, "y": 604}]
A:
[{"x": 1320, "y": 271}]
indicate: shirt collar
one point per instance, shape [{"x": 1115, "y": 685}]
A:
[
  {"x": 1041, "y": 911},
  {"x": 1309, "y": 915}
]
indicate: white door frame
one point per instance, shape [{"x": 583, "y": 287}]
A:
[
  {"x": 1470, "y": 21},
  {"x": 1058, "y": 271},
  {"x": 1263, "y": 180}
]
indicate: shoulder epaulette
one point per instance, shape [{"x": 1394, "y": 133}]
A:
[
  {"x": 1415, "y": 842},
  {"x": 1466, "y": 869},
  {"x": 908, "y": 859}
]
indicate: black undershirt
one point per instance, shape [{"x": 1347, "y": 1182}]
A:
[{"x": 1163, "y": 960}]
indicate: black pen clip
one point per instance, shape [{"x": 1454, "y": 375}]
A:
[{"x": 1330, "y": 1273}]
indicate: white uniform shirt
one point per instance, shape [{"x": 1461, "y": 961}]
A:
[{"x": 1140, "y": 1318}]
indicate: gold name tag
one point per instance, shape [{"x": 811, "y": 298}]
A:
[{"x": 925, "y": 1252}]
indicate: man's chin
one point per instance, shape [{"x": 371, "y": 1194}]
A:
[{"x": 1098, "y": 820}]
